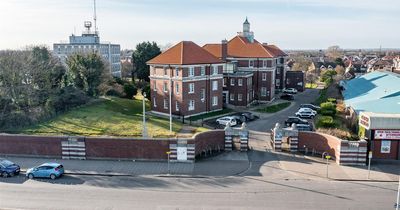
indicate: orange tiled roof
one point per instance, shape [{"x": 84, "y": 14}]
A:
[
  {"x": 185, "y": 53},
  {"x": 242, "y": 48},
  {"x": 214, "y": 49}
]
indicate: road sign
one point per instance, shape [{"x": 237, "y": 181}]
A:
[
  {"x": 328, "y": 157},
  {"x": 169, "y": 152},
  {"x": 370, "y": 154}
]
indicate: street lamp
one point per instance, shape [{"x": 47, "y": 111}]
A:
[
  {"x": 144, "y": 132},
  {"x": 398, "y": 197}
]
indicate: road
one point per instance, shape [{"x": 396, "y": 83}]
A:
[
  {"x": 248, "y": 192},
  {"x": 266, "y": 124}
]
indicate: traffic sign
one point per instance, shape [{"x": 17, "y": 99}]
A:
[
  {"x": 370, "y": 154},
  {"x": 328, "y": 157},
  {"x": 169, "y": 152}
]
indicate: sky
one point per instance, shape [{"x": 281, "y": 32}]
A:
[{"x": 289, "y": 24}]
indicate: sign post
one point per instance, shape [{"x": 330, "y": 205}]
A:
[
  {"x": 168, "y": 153},
  {"x": 398, "y": 196},
  {"x": 369, "y": 162},
  {"x": 327, "y": 164}
]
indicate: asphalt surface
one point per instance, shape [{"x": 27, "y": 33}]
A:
[
  {"x": 246, "y": 192},
  {"x": 265, "y": 124}
]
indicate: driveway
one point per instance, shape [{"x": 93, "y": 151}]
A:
[{"x": 265, "y": 124}]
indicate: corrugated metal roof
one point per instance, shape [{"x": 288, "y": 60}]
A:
[{"x": 374, "y": 92}]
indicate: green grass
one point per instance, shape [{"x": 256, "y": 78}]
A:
[
  {"x": 211, "y": 114},
  {"x": 274, "y": 108},
  {"x": 112, "y": 117},
  {"x": 311, "y": 86}
]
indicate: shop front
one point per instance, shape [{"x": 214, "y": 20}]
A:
[{"x": 382, "y": 131}]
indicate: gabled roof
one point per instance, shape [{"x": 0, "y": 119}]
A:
[
  {"x": 240, "y": 47},
  {"x": 185, "y": 53}
]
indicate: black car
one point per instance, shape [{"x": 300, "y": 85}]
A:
[
  {"x": 288, "y": 97},
  {"x": 304, "y": 127},
  {"x": 311, "y": 106},
  {"x": 8, "y": 168},
  {"x": 249, "y": 116},
  {"x": 296, "y": 120}
]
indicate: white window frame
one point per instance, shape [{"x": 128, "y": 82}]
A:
[
  {"x": 155, "y": 86},
  {"x": 231, "y": 96},
  {"x": 165, "y": 71},
  {"x": 203, "y": 95},
  {"x": 191, "y": 71},
  {"x": 203, "y": 71},
  {"x": 214, "y": 70},
  {"x": 215, "y": 101},
  {"x": 232, "y": 81},
  {"x": 251, "y": 63},
  {"x": 165, "y": 87},
  {"x": 154, "y": 102},
  {"x": 165, "y": 103},
  {"x": 248, "y": 97},
  {"x": 240, "y": 82},
  {"x": 278, "y": 82},
  {"x": 176, "y": 105},
  {"x": 263, "y": 91},
  {"x": 191, "y": 88},
  {"x": 177, "y": 72},
  {"x": 215, "y": 85},
  {"x": 265, "y": 63},
  {"x": 264, "y": 76},
  {"x": 177, "y": 88},
  {"x": 240, "y": 97},
  {"x": 191, "y": 105}
]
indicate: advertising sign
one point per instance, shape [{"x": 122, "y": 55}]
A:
[
  {"x": 385, "y": 146},
  {"x": 387, "y": 134},
  {"x": 364, "y": 121}
]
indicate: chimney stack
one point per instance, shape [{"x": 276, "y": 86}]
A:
[{"x": 224, "y": 49}]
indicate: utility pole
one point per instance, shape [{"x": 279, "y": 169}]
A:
[{"x": 144, "y": 132}]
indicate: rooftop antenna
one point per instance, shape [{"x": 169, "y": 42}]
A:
[{"x": 95, "y": 17}]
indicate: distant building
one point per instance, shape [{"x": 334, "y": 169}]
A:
[
  {"x": 89, "y": 41},
  {"x": 296, "y": 79}
]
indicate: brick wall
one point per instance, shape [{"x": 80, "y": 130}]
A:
[
  {"x": 209, "y": 140},
  {"x": 26, "y": 145}
]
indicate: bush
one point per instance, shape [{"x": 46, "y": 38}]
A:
[
  {"x": 130, "y": 90},
  {"x": 328, "y": 108},
  {"x": 332, "y": 100},
  {"x": 68, "y": 97},
  {"x": 326, "y": 122}
]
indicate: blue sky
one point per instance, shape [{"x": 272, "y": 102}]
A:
[{"x": 290, "y": 24}]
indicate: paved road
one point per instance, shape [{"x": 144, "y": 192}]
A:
[
  {"x": 249, "y": 192},
  {"x": 266, "y": 124}
]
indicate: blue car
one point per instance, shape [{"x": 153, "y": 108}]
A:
[
  {"x": 8, "y": 168},
  {"x": 46, "y": 170}
]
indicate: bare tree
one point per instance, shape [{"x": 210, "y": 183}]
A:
[{"x": 334, "y": 52}]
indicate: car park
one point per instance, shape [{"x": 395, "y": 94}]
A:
[
  {"x": 290, "y": 90},
  {"x": 46, "y": 170},
  {"x": 310, "y": 106},
  {"x": 226, "y": 120},
  {"x": 295, "y": 120},
  {"x": 305, "y": 114},
  {"x": 288, "y": 97},
  {"x": 8, "y": 168}
]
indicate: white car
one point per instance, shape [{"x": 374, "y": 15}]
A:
[
  {"x": 290, "y": 90},
  {"x": 305, "y": 114},
  {"x": 307, "y": 110},
  {"x": 226, "y": 120}
]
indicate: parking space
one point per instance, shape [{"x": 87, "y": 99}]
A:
[{"x": 236, "y": 119}]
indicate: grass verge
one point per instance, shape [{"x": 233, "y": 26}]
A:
[{"x": 274, "y": 108}]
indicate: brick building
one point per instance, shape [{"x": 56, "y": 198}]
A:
[
  {"x": 186, "y": 80},
  {"x": 253, "y": 70},
  {"x": 235, "y": 72}
]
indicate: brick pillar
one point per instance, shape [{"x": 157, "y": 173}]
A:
[
  {"x": 244, "y": 140},
  {"x": 277, "y": 138},
  {"x": 172, "y": 148},
  {"x": 228, "y": 137}
]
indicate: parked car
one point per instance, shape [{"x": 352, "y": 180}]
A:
[
  {"x": 295, "y": 120},
  {"x": 8, "y": 168},
  {"x": 304, "y": 127},
  {"x": 307, "y": 110},
  {"x": 249, "y": 116},
  {"x": 239, "y": 118},
  {"x": 311, "y": 106},
  {"x": 305, "y": 113},
  {"x": 288, "y": 97},
  {"x": 46, "y": 170},
  {"x": 290, "y": 90},
  {"x": 226, "y": 120}
]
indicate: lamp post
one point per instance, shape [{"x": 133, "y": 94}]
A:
[
  {"x": 168, "y": 153},
  {"x": 398, "y": 197},
  {"x": 144, "y": 132}
]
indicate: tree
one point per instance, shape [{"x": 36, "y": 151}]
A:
[
  {"x": 339, "y": 62},
  {"x": 126, "y": 69},
  {"x": 301, "y": 64},
  {"x": 144, "y": 52},
  {"x": 311, "y": 77},
  {"x": 339, "y": 70},
  {"x": 87, "y": 72},
  {"x": 334, "y": 52}
]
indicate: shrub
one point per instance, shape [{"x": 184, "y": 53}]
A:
[
  {"x": 130, "y": 90},
  {"x": 325, "y": 121},
  {"x": 328, "y": 108},
  {"x": 332, "y": 100}
]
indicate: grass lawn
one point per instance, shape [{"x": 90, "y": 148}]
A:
[
  {"x": 274, "y": 108},
  {"x": 311, "y": 86},
  {"x": 211, "y": 114},
  {"x": 111, "y": 117}
]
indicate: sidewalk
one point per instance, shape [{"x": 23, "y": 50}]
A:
[{"x": 316, "y": 168}]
